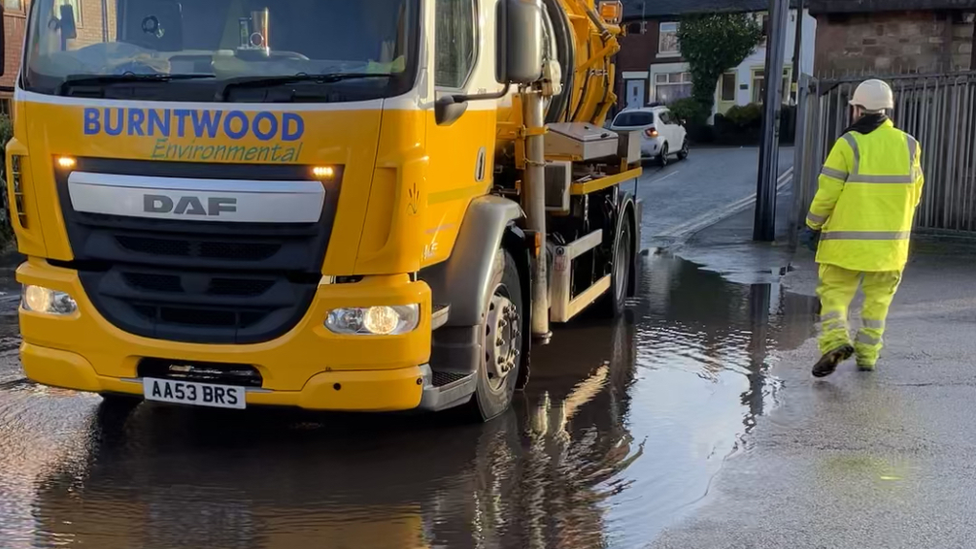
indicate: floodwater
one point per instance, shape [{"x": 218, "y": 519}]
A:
[{"x": 620, "y": 433}]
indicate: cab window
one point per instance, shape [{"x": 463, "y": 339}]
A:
[{"x": 456, "y": 35}]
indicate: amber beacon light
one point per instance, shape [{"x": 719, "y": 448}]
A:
[{"x": 612, "y": 12}]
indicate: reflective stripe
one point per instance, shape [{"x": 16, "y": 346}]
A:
[
  {"x": 833, "y": 315},
  {"x": 857, "y": 153},
  {"x": 860, "y": 178},
  {"x": 912, "y": 151},
  {"x": 867, "y": 235},
  {"x": 836, "y": 174},
  {"x": 814, "y": 218},
  {"x": 873, "y": 324},
  {"x": 868, "y": 339}
]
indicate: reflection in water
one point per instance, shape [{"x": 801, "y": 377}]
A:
[{"x": 619, "y": 432}]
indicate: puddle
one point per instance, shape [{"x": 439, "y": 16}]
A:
[{"x": 620, "y": 432}]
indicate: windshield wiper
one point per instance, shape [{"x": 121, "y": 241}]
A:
[
  {"x": 101, "y": 79},
  {"x": 262, "y": 81}
]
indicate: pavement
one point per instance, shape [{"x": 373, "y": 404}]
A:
[{"x": 860, "y": 461}]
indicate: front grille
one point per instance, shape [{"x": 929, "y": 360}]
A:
[
  {"x": 198, "y": 281},
  {"x": 252, "y": 251},
  {"x": 154, "y": 282},
  {"x": 154, "y": 246},
  {"x": 237, "y": 250},
  {"x": 240, "y": 375},
  {"x": 239, "y": 286}
]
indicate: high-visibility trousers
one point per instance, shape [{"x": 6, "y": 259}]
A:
[{"x": 837, "y": 289}]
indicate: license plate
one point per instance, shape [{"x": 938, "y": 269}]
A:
[{"x": 197, "y": 394}]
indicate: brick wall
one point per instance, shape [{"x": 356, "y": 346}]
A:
[
  {"x": 638, "y": 51},
  {"x": 893, "y": 42},
  {"x": 89, "y": 32},
  {"x": 90, "y": 29},
  {"x": 14, "y": 27}
]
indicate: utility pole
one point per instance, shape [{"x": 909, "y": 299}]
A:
[
  {"x": 798, "y": 48},
  {"x": 765, "y": 224}
]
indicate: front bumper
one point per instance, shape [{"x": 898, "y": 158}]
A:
[{"x": 309, "y": 367}]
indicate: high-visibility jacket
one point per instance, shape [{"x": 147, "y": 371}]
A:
[{"x": 870, "y": 187}]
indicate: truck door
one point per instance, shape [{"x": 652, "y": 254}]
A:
[{"x": 461, "y": 151}]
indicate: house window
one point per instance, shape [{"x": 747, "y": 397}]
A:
[
  {"x": 13, "y": 6},
  {"x": 728, "y": 86},
  {"x": 75, "y": 9},
  {"x": 455, "y": 42},
  {"x": 668, "y": 41},
  {"x": 671, "y": 86},
  {"x": 759, "y": 85}
]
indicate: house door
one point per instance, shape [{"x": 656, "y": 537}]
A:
[{"x": 635, "y": 93}]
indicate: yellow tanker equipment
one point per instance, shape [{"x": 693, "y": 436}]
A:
[{"x": 362, "y": 206}]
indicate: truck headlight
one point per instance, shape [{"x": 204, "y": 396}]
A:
[
  {"x": 379, "y": 320},
  {"x": 45, "y": 300}
]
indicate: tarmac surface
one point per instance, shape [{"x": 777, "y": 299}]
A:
[
  {"x": 698, "y": 188},
  {"x": 857, "y": 460}
]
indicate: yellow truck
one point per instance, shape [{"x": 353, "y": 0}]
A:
[{"x": 369, "y": 205}]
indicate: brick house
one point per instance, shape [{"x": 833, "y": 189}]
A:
[
  {"x": 14, "y": 28},
  {"x": 652, "y": 69},
  {"x": 95, "y": 21},
  {"x": 893, "y": 36}
]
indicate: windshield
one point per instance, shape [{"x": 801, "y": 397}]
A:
[
  {"x": 634, "y": 119},
  {"x": 191, "y": 50}
]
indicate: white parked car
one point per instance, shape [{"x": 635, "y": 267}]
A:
[{"x": 661, "y": 134}]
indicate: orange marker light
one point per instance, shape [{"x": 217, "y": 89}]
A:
[
  {"x": 66, "y": 162},
  {"x": 323, "y": 172},
  {"x": 612, "y": 12}
]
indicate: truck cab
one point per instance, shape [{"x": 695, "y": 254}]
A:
[{"x": 281, "y": 202}]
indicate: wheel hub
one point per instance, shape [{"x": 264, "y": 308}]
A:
[{"x": 502, "y": 338}]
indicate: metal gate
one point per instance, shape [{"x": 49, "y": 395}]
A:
[{"x": 939, "y": 110}]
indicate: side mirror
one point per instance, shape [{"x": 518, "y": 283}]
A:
[
  {"x": 69, "y": 30},
  {"x": 519, "y": 41},
  {"x": 448, "y": 109}
]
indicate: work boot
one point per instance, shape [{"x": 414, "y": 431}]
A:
[
  {"x": 865, "y": 367},
  {"x": 829, "y": 362}
]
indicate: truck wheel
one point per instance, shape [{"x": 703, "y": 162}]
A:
[
  {"x": 615, "y": 300},
  {"x": 501, "y": 331}
]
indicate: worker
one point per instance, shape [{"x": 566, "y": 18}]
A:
[{"x": 860, "y": 225}]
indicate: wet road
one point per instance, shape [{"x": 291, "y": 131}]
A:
[
  {"x": 619, "y": 434},
  {"x": 709, "y": 180}
]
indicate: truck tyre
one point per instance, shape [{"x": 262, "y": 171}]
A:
[
  {"x": 501, "y": 333},
  {"x": 615, "y": 300}
]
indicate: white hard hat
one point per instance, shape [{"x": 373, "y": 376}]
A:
[{"x": 874, "y": 95}]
